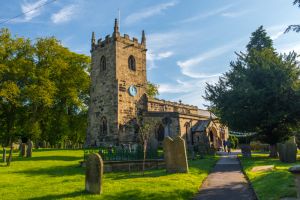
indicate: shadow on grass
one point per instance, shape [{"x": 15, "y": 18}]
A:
[
  {"x": 125, "y": 195},
  {"x": 56, "y": 171},
  {"x": 127, "y": 175},
  {"x": 137, "y": 194},
  {"x": 60, "y": 196},
  {"x": 45, "y": 158}
]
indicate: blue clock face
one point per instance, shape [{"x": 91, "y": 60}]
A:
[{"x": 132, "y": 90}]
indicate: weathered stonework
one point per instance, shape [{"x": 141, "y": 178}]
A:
[
  {"x": 94, "y": 174},
  {"x": 175, "y": 155},
  {"x": 113, "y": 109}
]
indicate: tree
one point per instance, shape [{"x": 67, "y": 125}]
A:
[
  {"x": 44, "y": 90},
  {"x": 295, "y": 27},
  {"x": 152, "y": 89},
  {"x": 260, "y": 93},
  {"x": 146, "y": 128}
]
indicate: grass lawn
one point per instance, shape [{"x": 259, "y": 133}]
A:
[
  {"x": 55, "y": 174},
  {"x": 270, "y": 185}
]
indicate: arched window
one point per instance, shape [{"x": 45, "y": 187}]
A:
[
  {"x": 160, "y": 133},
  {"x": 102, "y": 64},
  {"x": 131, "y": 63},
  {"x": 103, "y": 126}
]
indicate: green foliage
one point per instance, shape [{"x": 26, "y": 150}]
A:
[
  {"x": 234, "y": 141},
  {"x": 260, "y": 93},
  {"x": 152, "y": 89},
  {"x": 57, "y": 176},
  {"x": 259, "y": 40},
  {"x": 44, "y": 90},
  {"x": 295, "y": 27}
]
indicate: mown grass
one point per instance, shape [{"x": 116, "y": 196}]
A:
[
  {"x": 56, "y": 174},
  {"x": 270, "y": 185}
]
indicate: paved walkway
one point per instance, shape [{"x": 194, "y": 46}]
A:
[{"x": 226, "y": 182}]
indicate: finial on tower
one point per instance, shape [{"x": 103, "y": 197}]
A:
[
  {"x": 143, "y": 38},
  {"x": 93, "y": 40},
  {"x": 116, "y": 27}
]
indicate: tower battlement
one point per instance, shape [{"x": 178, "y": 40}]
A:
[{"x": 134, "y": 42}]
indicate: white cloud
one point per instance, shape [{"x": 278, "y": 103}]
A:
[
  {"x": 152, "y": 57},
  {"x": 276, "y": 31},
  {"x": 289, "y": 47},
  {"x": 211, "y": 13},
  {"x": 64, "y": 15},
  {"x": 189, "y": 91},
  {"x": 32, "y": 10},
  {"x": 149, "y": 12},
  {"x": 234, "y": 14},
  {"x": 189, "y": 67}
]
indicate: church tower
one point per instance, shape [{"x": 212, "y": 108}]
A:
[{"x": 118, "y": 86}]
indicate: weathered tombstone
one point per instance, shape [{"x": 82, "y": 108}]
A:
[
  {"x": 288, "y": 151},
  {"x": 44, "y": 145},
  {"x": 94, "y": 174},
  {"x": 29, "y": 148},
  {"x": 175, "y": 155},
  {"x": 246, "y": 150},
  {"x": 4, "y": 155},
  {"x": 23, "y": 150}
]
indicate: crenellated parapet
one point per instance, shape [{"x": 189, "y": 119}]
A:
[
  {"x": 160, "y": 105},
  {"x": 130, "y": 42}
]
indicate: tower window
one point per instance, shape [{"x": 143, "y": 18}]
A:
[
  {"x": 131, "y": 63},
  {"x": 103, "y": 126},
  {"x": 102, "y": 64}
]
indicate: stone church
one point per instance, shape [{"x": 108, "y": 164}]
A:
[{"x": 118, "y": 90}]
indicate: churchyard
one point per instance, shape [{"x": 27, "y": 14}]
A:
[{"x": 56, "y": 174}]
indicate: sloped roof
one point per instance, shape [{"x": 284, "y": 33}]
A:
[
  {"x": 200, "y": 126},
  {"x": 206, "y": 113}
]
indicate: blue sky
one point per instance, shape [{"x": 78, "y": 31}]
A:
[{"x": 190, "y": 42}]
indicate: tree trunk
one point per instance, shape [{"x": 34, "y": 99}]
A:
[
  {"x": 10, "y": 154},
  {"x": 145, "y": 151},
  {"x": 273, "y": 151}
]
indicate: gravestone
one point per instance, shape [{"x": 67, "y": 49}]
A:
[
  {"x": 44, "y": 144},
  {"x": 175, "y": 155},
  {"x": 23, "y": 150},
  {"x": 246, "y": 150},
  {"x": 29, "y": 148},
  {"x": 4, "y": 155},
  {"x": 94, "y": 174},
  {"x": 288, "y": 151}
]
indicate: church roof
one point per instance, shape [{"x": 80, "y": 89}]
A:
[
  {"x": 200, "y": 126},
  {"x": 206, "y": 113}
]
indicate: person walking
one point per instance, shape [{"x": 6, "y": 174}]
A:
[
  {"x": 228, "y": 147},
  {"x": 224, "y": 145}
]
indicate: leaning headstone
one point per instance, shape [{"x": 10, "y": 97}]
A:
[
  {"x": 175, "y": 155},
  {"x": 23, "y": 150},
  {"x": 94, "y": 174},
  {"x": 29, "y": 148},
  {"x": 4, "y": 155}
]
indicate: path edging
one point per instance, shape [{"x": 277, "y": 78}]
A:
[{"x": 248, "y": 180}]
